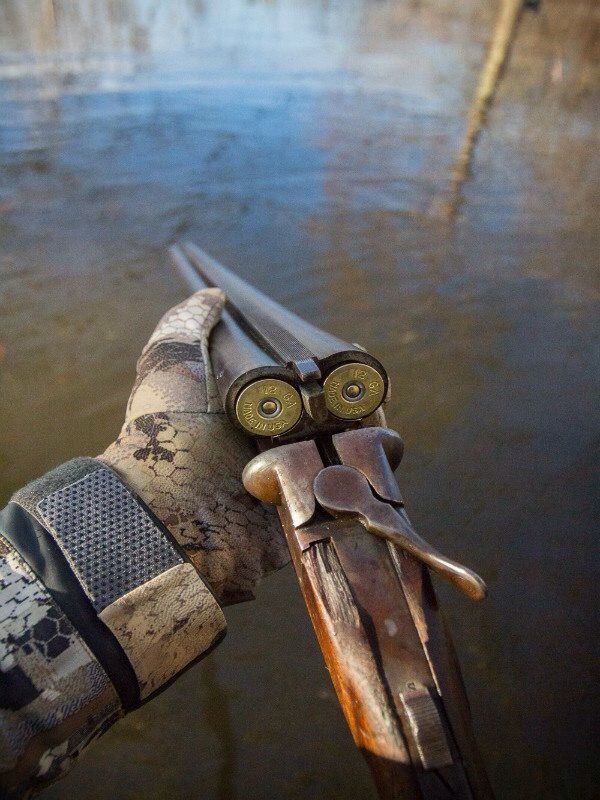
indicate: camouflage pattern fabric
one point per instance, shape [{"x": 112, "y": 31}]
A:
[
  {"x": 54, "y": 696},
  {"x": 179, "y": 454}
]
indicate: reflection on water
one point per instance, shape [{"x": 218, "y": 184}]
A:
[{"x": 309, "y": 145}]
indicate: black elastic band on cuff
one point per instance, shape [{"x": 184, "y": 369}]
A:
[{"x": 39, "y": 550}]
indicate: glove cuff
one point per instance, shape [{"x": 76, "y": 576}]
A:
[{"x": 117, "y": 573}]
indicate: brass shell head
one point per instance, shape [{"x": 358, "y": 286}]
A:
[
  {"x": 268, "y": 407},
  {"x": 353, "y": 391}
]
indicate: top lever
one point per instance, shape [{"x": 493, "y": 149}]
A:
[{"x": 345, "y": 492}]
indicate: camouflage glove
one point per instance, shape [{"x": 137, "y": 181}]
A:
[
  {"x": 99, "y": 609},
  {"x": 180, "y": 454}
]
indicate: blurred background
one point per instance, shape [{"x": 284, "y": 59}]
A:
[{"x": 323, "y": 150}]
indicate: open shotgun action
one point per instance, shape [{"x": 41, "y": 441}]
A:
[{"x": 313, "y": 404}]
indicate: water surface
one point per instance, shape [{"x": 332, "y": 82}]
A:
[{"x": 311, "y": 146}]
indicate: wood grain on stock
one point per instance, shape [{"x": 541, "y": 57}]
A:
[
  {"x": 353, "y": 593},
  {"x": 348, "y": 655}
]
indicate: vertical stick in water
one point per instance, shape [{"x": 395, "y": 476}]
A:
[{"x": 489, "y": 78}]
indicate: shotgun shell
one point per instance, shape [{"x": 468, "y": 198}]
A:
[
  {"x": 268, "y": 407},
  {"x": 354, "y": 390}
]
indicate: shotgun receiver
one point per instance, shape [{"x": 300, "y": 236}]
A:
[{"x": 312, "y": 403}]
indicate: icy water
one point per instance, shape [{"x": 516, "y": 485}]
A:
[{"x": 311, "y": 146}]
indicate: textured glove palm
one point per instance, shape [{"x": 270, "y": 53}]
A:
[{"x": 179, "y": 452}]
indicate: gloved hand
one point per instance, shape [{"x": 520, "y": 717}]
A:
[
  {"x": 180, "y": 454},
  {"x": 99, "y": 610}
]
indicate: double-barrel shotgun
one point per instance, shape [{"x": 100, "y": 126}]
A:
[{"x": 313, "y": 405}]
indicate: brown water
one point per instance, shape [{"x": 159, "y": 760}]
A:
[{"x": 310, "y": 145}]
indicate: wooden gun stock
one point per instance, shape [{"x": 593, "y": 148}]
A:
[
  {"x": 372, "y": 605},
  {"x": 377, "y": 621}
]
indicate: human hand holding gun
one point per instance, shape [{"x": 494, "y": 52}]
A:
[
  {"x": 178, "y": 451},
  {"x": 114, "y": 568},
  {"x": 311, "y": 405}
]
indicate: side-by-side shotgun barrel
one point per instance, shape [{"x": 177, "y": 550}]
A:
[
  {"x": 361, "y": 567},
  {"x": 277, "y": 374}
]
